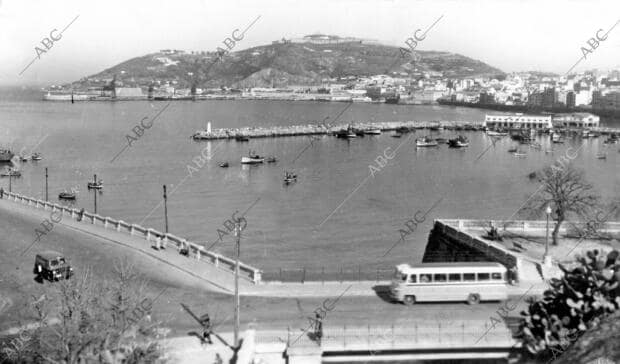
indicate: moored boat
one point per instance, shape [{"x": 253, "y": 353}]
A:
[
  {"x": 242, "y": 138},
  {"x": 426, "y": 142},
  {"x": 271, "y": 159},
  {"x": 496, "y": 133},
  {"x": 67, "y": 196},
  {"x": 224, "y": 165},
  {"x": 10, "y": 172},
  {"x": 601, "y": 155},
  {"x": 289, "y": 177},
  {"x": 36, "y": 157},
  {"x": 252, "y": 158},
  {"x": 98, "y": 185},
  {"x": 459, "y": 142},
  {"x": 6, "y": 155},
  {"x": 556, "y": 138},
  {"x": 372, "y": 131}
]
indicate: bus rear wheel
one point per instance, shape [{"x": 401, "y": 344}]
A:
[
  {"x": 473, "y": 299},
  {"x": 409, "y": 300}
]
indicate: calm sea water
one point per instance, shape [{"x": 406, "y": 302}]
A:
[{"x": 338, "y": 215}]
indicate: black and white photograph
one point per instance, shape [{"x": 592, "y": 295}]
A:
[{"x": 310, "y": 182}]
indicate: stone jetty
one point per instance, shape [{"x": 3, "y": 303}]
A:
[{"x": 322, "y": 129}]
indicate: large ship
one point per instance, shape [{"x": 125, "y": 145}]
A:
[
  {"x": 392, "y": 99},
  {"x": 6, "y": 155}
]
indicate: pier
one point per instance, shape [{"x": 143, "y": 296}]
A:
[{"x": 322, "y": 129}]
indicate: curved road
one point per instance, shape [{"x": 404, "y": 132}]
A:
[{"x": 17, "y": 284}]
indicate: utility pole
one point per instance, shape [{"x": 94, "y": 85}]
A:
[
  {"x": 166, "y": 208},
  {"x": 46, "y": 197},
  {"x": 95, "y": 191},
  {"x": 238, "y": 233},
  {"x": 10, "y": 179}
]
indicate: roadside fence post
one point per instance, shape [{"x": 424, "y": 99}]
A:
[
  {"x": 340, "y": 274},
  {"x": 359, "y": 273},
  {"x": 303, "y": 276},
  {"x": 280, "y": 274},
  {"x": 323, "y": 274}
]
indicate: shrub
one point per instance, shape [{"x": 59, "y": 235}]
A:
[{"x": 587, "y": 292}]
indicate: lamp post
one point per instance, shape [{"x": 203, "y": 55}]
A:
[
  {"x": 546, "y": 258},
  {"x": 238, "y": 246}
]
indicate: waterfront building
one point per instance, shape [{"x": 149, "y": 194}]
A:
[
  {"x": 576, "y": 120},
  {"x": 570, "y": 99},
  {"x": 518, "y": 121},
  {"x": 611, "y": 100}
]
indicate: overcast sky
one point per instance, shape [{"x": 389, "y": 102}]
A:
[{"x": 509, "y": 35}]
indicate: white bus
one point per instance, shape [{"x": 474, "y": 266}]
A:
[{"x": 460, "y": 281}]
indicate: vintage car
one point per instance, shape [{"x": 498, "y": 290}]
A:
[{"x": 52, "y": 266}]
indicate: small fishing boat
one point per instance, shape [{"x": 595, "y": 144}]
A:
[
  {"x": 351, "y": 133},
  {"x": 512, "y": 150},
  {"x": 556, "y": 138},
  {"x": 601, "y": 155},
  {"x": 252, "y": 158},
  {"x": 289, "y": 178},
  {"x": 494, "y": 133},
  {"x": 520, "y": 154},
  {"x": 397, "y": 135},
  {"x": 98, "y": 185},
  {"x": 271, "y": 159},
  {"x": 36, "y": 157},
  {"x": 224, "y": 165},
  {"x": 372, "y": 131},
  {"x": 67, "y": 196},
  {"x": 10, "y": 172},
  {"x": 426, "y": 142},
  {"x": 403, "y": 129},
  {"x": 242, "y": 138},
  {"x": 24, "y": 158},
  {"x": 459, "y": 142}
]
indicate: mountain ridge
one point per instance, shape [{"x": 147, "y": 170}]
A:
[{"x": 286, "y": 63}]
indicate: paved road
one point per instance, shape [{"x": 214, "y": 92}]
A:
[{"x": 17, "y": 284}]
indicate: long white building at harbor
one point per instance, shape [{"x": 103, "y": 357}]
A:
[{"x": 516, "y": 121}]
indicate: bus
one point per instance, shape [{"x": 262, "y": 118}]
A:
[{"x": 471, "y": 282}]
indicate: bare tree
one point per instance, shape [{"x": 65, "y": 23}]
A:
[
  {"x": 566, "y": 192},
  {"x": 103, "y": 321}
]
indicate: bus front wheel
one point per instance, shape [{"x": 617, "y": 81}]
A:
[
  {"x": 473, "y": 299},
  {"x": 409, "y": 300}
]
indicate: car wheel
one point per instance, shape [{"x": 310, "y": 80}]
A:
[
  {"x": 409, "y": 300},
  {"x": 473, "y": 299}
]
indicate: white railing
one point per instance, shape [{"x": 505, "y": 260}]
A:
[{"x": 248, "y": 272}]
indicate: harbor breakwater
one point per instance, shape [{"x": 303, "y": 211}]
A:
[
  {"x": 360, "y": 127},
  {"x": 322, "y": 129}
]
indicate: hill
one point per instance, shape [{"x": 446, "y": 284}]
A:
[{"x": 284, "y": 64}]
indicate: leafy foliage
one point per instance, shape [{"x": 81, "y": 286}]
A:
[{"x": 575, "y": 303}]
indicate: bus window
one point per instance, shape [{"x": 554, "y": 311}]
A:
[
  {"x": 496, "y": 276},
  {"x": 483, "y": 276},
  {"x": 413, "y": 278},
  {"x": 425, "y": 278},
  {"x": 439, "y": 278},
  {"x": 454, "y": 277},
  {"x": 469, "y": 277}
]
